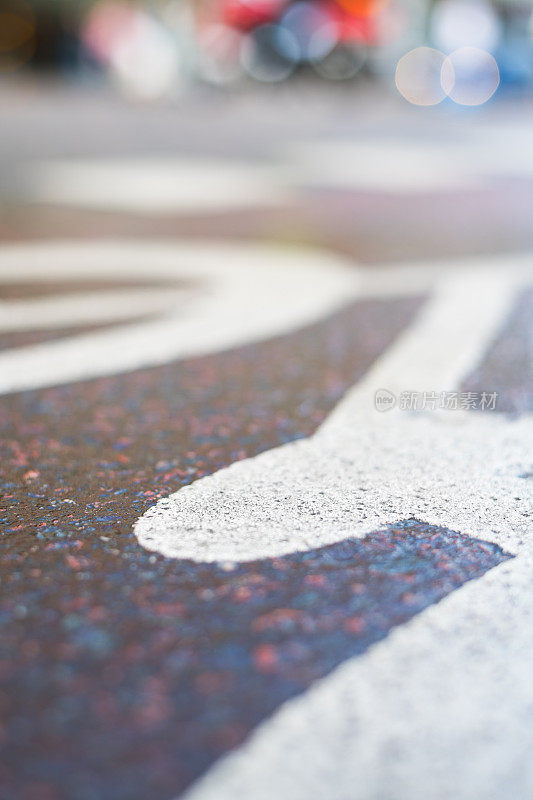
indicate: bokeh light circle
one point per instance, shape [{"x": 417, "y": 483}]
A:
[
  {"x": 464, "y": 23},
  {"x": 470, "y": 76},
  {"x": 140, "y": 52},
  {"x": 220, "y": 48},
  {"x": 342, "y": 63},
  {"x": 313, "y": 28},
  {"x": 108, "y": 24},
  {"x": 418, "y": 76},
  {"x": 269, "y": 53},
  {"x": 146, "y": 65}
]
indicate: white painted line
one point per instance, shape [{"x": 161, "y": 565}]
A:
[
  {"x": 299, "y": 496},
  {"x": 244, "y": 293},
  {"x": 193, "y": 185},
  {"x": 411, "y": 166},
  {"x": 441, "y": 708},
  {"x": 88, "y": 308},
  {"x": 394, "y": 168},
  {"x": 466, "y": 310},
  {"x": 162, "y": 186},
  {"x": 247, "y": 293}
]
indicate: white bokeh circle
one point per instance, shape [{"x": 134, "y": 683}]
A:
[
  {"x": 418, "y": 76},
  {"x": 470, "y": 76}
]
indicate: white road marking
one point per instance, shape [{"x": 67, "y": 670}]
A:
[
  {"x": 378, "y": 166},
  {"x": 411, "y": 167},
  {"x": 170, "y": 185},
  {"x": 300, "y": 496},
  {"x": 148, "y": 185},
  {"x": 466, "y": 310},
  {"x": 442, "y": 705},
  {"x": 88, "y": 307},
  {"x": 246, "y": 293},
  {"x": 456, "y": 679}
]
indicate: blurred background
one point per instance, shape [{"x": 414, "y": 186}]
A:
[
  {"x": 382, "y": 129},
  {"x": 432, "y": 50}
]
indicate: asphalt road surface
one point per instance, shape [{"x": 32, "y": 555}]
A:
[{"x": 265, "y": 398}]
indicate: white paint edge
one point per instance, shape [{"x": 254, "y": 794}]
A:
[
  {"x": 247, "y": 294},
  {"x": 87, "y": 308},
  {"x": 271, "y": 505}
]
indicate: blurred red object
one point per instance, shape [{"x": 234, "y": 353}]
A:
[
  {"x": 355, "y": 20},
  {"x": 244, "y": 15}
]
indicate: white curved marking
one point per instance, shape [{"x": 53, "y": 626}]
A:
[
  {"x": 88, "y": 308},
  {"x": 247, "y": 293}
]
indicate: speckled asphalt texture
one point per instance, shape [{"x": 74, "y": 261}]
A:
[{"x": 79, "y": 465}]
